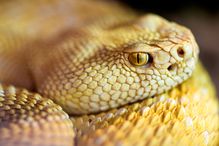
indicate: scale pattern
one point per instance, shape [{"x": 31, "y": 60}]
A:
[
  {"x": 186, "y": 115},
  {"x": 25, "y": 117},
  {"x": 78, "y": 64},
  {"x": 89, "y": 71}
]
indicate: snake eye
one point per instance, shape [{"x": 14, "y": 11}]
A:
[{"x": 138, "y": 59}]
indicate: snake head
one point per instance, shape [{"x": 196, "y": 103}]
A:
[
  {"x": 117, "y": 65},
  {"x": 159, "y": 69},
  {"x": 150, "y": 56},
  {"x": 163, "y": 56}
]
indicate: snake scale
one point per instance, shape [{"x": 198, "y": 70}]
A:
[{"x": 98, "y": 73}]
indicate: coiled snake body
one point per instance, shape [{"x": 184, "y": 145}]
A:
[{"x": 102, "y": 77}]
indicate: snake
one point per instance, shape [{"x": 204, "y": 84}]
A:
[{"x": 99, "y": 73}]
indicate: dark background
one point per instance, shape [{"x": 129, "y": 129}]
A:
[{"x": 202, "y": 17}]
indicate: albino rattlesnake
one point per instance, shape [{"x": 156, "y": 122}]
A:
[{"x": 96, "y": 62}]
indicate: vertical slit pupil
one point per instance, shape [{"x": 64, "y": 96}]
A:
[{"x": 138, "y": 60}]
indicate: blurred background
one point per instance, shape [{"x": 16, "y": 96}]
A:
[{"x": 202, "y": 17}]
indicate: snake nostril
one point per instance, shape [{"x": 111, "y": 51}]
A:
[
  {"x": 180, "y": 52},
  {"x": 172, "y": 68}
]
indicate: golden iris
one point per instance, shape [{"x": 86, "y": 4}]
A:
[{"x": 138, "y": 58}]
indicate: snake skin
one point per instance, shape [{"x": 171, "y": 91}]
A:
[{"x": 78, "y": 63}]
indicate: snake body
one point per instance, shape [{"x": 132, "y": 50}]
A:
[{"x": 102, "y": 78}]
